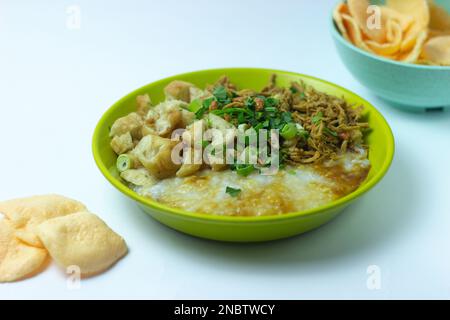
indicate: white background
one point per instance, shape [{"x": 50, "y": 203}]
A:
[{"x": 55, "y": 83}]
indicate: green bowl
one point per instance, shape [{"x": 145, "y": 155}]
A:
[
  {"x": 243, "y": 229},
  {"x": 404, "y": 85}
]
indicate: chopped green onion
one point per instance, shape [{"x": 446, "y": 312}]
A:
[
  {"x": 275, "y": 123},
  {"x": 200, "y": 112},
  {"x": 220, "y": 92},
  {"x": 205, "y": 106},
  {"x": 303, "y": 134},
  {"x": 207, "y": 102},
  {"x": 287, "y": 117},
  {"x": 330, "y": 132},
  {"x": 124, "y": 162},
  {"x": 317, "y": 118},
  {"x": 195, "y": 105},
  {"x": 270, "y": 102},
  {"x": 232, "y": 110},
  {"x": 244, "y": 170},
  {"x": 259, "y": 115},
  {"x": 232, "y": 191},
  {"x": 249, "y": 103},
  {"x": 241, "y": 118},
  {"x": 270, "y": 109},
  {"x": 289, "y": 131},
  {"x": 259, "y": 126}
]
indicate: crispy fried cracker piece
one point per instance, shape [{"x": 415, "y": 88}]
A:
[
  {"x": 17, "y": 260},
  {"x": 26, "y": 214},
  {"x": 84, "y": 240}
]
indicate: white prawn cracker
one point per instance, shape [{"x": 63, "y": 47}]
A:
[
  {"x": 26, "y": 214},
  {"x": 84, "y": 240},
  {"x": 17, "y": 260},
  {"x": 36, "y": 226}
]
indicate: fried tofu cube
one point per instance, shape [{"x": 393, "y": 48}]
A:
[
  {"x": 197, "y": 93},
  {"x": 217, "y": 163},
  {"x": 148, "y": 129},
  {"x": 192, "y": 162},
  {"x": 138, "y": 177},
  {"x": 164, "y": 118},
  {"x": 188, "y": 169},
  {"x": 178, "y": 90},
  {"x": 143, "y": 103},
  {"x": 187, "y": 118},
  {"x": 194, "y": 133},
  {"x": 131, "y": 123},
  {"x": 155, "y": 154},
  {"x": 123, "y": 143}
]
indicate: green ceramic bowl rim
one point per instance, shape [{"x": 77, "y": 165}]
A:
[
  {"x": 233, "y": 219},
  {"x": 337, "y": 35}
]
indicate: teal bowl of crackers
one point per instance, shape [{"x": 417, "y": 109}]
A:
[{"x": 417, "y": 77}]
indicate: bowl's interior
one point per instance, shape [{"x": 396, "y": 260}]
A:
[
  {"x": 444, "y": 3},
  {"x": 380, "y": 140}
]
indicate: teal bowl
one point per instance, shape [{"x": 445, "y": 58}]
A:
[{"x": 404, "y": 85}]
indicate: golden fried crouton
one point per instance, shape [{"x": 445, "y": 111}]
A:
[
  {"x": 216, "y": 158},
  {"x": 138, "y": 177},
  {"x": 148, "y": 129},
  {"x": 188, "y": 169},
  {"x": 168, "y": 121},
  {"x": 194, "y": 133},
  {"x": 131, "y": 123},
  {"x": 192, "y": 162},
  {"x": 178, "y": 90},
  {"x": 197, "y": 93},
  {"x": 143, "y": 103},
  {"x": 164, "y": 118},
  {"x": 217, "y": 163},
  {"x": 155, "y": 154},
  {"x": 123, "y": 143},
  {"x": 187, "y": 118},
  {"x": 216, "y": 122}
]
